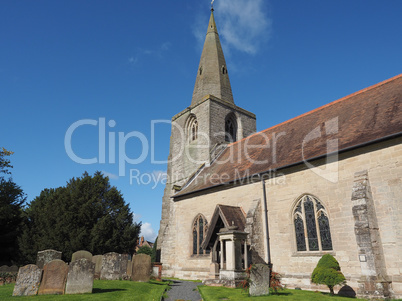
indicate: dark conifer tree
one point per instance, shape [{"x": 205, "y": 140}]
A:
[{"x": 86, "y": 214}]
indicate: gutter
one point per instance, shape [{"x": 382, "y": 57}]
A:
[{"x": 264, "y": 194}]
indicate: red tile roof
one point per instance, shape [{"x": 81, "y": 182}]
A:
[{"x": 360, "y": 118}]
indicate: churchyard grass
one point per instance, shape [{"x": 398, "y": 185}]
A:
[
  {"x": 103, "y": 290},
  {"x": 210, "y": 293}
]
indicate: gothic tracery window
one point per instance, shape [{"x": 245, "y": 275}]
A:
[
  {"x": 311, "y": 224},
  {"x": 230, "y": 128},
  {"x": 199, "y": 229}
]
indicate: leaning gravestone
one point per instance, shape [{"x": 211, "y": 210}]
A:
[
  {"x": 259, "y": 278},
  {"x": 28, "y": 281},
  {"x": 81, "y": 254},
  {"x": 46, "y": 256},
  {"x": 54, "y": 278},
  {"x": 110, "y": 266},
  {"x": 141, "y": 268},
  {"x": 80, "y": 278},
  {"x": 97, "y": 260}
]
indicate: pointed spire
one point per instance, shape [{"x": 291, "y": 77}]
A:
[{"x": 212, "y": 76}]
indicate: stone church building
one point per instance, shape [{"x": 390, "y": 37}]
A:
[{"x": 326, "y": 182}]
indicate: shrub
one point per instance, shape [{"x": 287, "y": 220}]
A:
[
  {"x": 328, "y": 272},
  {"x": 275, "y": 282}
]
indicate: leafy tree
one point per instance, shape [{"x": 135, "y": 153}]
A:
[
  {"x": 145, "y": 250},
  {"x": 86, "y": 214},
  {"x": 154, "y": 248},
  {"x": 328, "y": 272},
  {"x": 11, "y": 199},
  {"x": 5, "y": 163}
]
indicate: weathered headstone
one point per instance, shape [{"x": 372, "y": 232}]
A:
[
  {"x": 110, "y": 266},
  {"x": 81, "y": 254},
  {"x": 54, "y": 278},
  {"x": 259, "y": 278},
  {"x": 129, "y": 268},
  {"x": 141, "y": 268},
  {"x": 3, "y": 268},
  {"x": 13, "y": 269},
  {"x": 28, "y": 281},
  {"x": 97, "y": 259},
  {"x": 46, "y": 256},
  {"x": 80, "y": 278},
  {"x": 124, "y": 258}
]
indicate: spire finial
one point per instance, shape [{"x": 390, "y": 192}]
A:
[{"x": 212, "y": 5}]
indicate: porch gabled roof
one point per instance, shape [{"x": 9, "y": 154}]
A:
[{"x": 230, "y": 216}]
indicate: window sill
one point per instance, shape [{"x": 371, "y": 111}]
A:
[
  {"x": 313, "y": 253},
  {"x": 200, "y": 256}
]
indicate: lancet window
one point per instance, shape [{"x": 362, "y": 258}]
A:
[
  {"x": 192, "y": 128},
  {"x": 230, "y": 128},
  {"x": 199, "y": 229},
  {"x": 311, "y": 225}
]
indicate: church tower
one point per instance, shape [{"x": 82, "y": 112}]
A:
[{"x": 199, "y": 134}]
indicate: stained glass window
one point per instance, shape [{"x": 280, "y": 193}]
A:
[
  {"x": 310, "y": 223},
  {"x": 311, "y": 220},
  {"x": 325, "y": 233},
  {"x": 299, "y": 229},
  {"x": 199, "y": 230}
]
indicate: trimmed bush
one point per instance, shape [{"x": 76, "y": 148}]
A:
[{"x": 328, "y": 272}]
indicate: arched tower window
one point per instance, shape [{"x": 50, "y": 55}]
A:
[
  {"x": 199, "y": 229},
  {"x": 192, "y": 128},
  {"x": 311, "y": 224},
  {"x": 230, "y": 128}
]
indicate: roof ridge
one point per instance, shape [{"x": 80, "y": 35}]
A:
[{"x": 322, "y": 107}]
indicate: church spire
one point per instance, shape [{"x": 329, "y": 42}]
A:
[{"x": 212, "y": 76}]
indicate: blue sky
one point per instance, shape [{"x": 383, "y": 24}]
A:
[{"x": 132, "y": 62}]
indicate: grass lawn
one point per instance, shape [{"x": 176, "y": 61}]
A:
[
  {"x": 210, "y": 293},
  {"x": 103, "y": 290}
]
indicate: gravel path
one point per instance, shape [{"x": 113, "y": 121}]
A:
[{"x": 183, "y": 290}]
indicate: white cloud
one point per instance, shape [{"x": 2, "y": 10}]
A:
[
  {"x": 149, "y": 52},
  {"x": 110, "y": 175},
  {"x": 148, "y": 232},
  {"x": 242, "y": 24}
]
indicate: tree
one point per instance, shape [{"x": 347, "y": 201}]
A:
[
  {"x": 5, "y": 163},
  {"x": 145, "y": 250},
  {"x": 86, "y": 214},
  {"x": 11, "y": 199},
  {"x": 328, "y": 272},
  {"x": 154, "y": 250}
]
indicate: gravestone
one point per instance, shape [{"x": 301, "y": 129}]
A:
[
  {"x": 141, "y": 268},
  {"x": 111, "y": 266},
  {"x": 259, "y": 278},
  {"x": 13, "y": 269},
  {"x": 81, "y": 254},
  {"x": 80, "y": 278},
  {"x": 54, "y": 278},
  {"x": 129, "y": 268},
  {"x": 97, "y": 259},
  {"x": 46, "y": 256},
  {"x": 28, "y": 281},
  {"x": 124, "y": 258}
]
